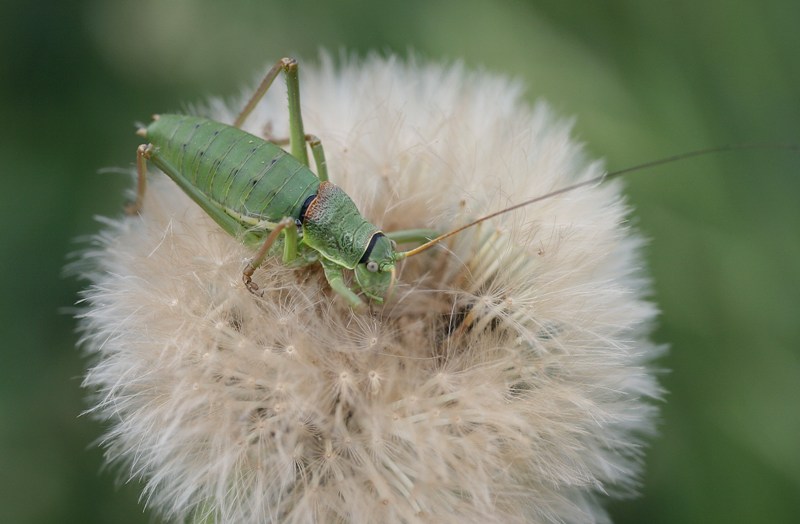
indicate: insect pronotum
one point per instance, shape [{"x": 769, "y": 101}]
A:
[{"x": 272, "y": 200}]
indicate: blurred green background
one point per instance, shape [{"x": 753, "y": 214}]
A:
[{"x": 643, "y": 79}]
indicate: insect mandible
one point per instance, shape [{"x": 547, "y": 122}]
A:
[{"x": 270, "y": 198}]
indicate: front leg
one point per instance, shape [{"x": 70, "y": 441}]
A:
[
  {"x": 333, "y": 274},
  {"x": 416, "y": 236},
  {"x": 287, "y": 226}
]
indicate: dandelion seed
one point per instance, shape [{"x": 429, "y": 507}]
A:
[{"x": 504, "y": 382}]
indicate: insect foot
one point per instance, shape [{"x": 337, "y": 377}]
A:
[
  {"x": 247, "y": 275},
  {"x": 132, "y": 208}
]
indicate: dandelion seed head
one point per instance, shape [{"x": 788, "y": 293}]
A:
[{"x": 508, "y": 379}]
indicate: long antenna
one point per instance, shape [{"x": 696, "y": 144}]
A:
[{"x": 597, "y": 180}]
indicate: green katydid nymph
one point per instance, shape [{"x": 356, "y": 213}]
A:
[{"x": 273, "y": 201}]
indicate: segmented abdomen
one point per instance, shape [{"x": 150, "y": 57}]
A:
[{"x": 234, "y": 169}]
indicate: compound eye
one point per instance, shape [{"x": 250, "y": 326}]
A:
[{"x": 372, "y": 266}]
